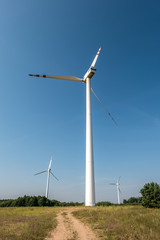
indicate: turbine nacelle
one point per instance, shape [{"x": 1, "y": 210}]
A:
[{"x": 89, "y": 74}]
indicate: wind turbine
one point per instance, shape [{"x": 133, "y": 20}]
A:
[
  {"x": 118, "y": 189},
  {"x": 48, "y": 176},
  {"x": 90, "y": 182}
]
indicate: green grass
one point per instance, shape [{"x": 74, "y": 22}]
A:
[
  {"x": 122, "y": 222},
  {"x": 27, "y": 223}
]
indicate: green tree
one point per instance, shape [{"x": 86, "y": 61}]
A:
[
  {"x": 151, "y": 195},
  {"x": 132, "y": 200},
  {"x": 33, "y": 202},
  {"x": 27, "y": 199},
  {"x": 41, "y": 201}
]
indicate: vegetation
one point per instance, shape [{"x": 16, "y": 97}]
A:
[
  {"x": 122, "y": 222},
  {"x": 34, "y": 201},
  {"x": 109, "y": 223},
  {"x": 31, "y": 217},
  {"x": 151, "y": 195},
  {"x": 130, "y": 201},
  {"x": 26, "y": 223},
  {"x": 150, "y": 198},
  {"x": 133, "y": 201},
  {"x": 104, "y": 204}
]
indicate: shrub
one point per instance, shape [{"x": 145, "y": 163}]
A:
[{"x": 151, "y": 195}]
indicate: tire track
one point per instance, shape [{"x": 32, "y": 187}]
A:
[{"x": 70, "y": 228}]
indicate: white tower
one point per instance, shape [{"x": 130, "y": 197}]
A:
[
  {"x": 118, "y": 195},
  {"x": 48, "y": 176},
  {"x": 90, "y": 183},
  {"x": 118, "y": 189}
]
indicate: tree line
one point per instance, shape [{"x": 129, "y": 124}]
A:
[
  {"x": 35, "y": 201},
  {"x": 150, "y": 198}
]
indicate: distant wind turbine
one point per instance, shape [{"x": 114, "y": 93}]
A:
[
  {"x": 118, "y": 189},
  {"x": 48, "y": 176},
  {"x": 90, "y": 182}
]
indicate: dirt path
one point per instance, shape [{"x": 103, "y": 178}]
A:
[{"x": 70, "y": 228}]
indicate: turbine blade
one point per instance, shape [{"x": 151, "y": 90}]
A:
[
  {"x": 119, "y": 179},
  {"x": 71, "y": 78},
  {"x": 40, "y": 172},
  {"x": 50, "y": 163},
  {"x": 104, "y": 108},
  {"x": 95, "y": 59},
  {"x": 112, "y": 184},
  {"x": 54, "y": 176}
]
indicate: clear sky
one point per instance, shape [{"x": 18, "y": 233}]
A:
[{"x": 43, "y": 117}]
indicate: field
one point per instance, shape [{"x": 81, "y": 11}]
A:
[
  {"x": 27, "y": 223},
  {"x": 108, "y": 223},
  {"x": 122, "y": 222}
]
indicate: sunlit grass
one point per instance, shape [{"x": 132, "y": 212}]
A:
[
  {"x": 27, "y": 223},
  {"x": 122, "y": 222},
  {"x": 109, "y": 223}
]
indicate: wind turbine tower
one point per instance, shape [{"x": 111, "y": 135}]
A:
[
  {"x": 90, "y": 182},
  {"x": 48, "y": 176},
  {"x": 118, "y": 189}
]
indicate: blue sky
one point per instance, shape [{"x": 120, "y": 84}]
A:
[{"x": 43, "y": 117}]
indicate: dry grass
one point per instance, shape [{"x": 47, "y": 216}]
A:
[
  {"x": 28, "y": 223},
  {"x": 122, "y": 222},
  {"x": 109, "y": 223}
]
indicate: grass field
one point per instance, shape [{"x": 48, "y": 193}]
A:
[
  {"x": 122, "y": 222},
  {"x": 109, "y": 223},
  {"x": 27, "y": 223}
]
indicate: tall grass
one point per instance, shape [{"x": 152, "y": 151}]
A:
[
  {"x": 26, "y": 223},
  {"x": 122, "y": 222}
]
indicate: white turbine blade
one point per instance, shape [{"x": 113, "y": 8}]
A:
[
  {"x": 71, "y": 78},
  {"x": 54, "y": 176},
  {"x": 40, "y": 172},
  {"x": 95, "y": 59},
  {"x": 50, "y": 163},
  {"x": 112, "y": 184},
  {"x": 120, "y": 190},
  {"x": 104, "y": 107},
  {"x": 119, "y": 179}
]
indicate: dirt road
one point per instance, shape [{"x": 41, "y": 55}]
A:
[{"x": 70, "y": 228}]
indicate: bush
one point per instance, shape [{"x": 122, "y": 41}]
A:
[
  {"x": 151, "y": 195},
  {"x": 103, "y": 204},
  {"x": 133, "y": 201}
]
